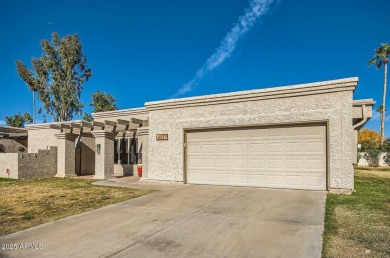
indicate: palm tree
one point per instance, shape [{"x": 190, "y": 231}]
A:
[{"x": 381, "y": 57}]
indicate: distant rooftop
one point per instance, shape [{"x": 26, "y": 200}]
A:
[{"x": 9, "y": 131}]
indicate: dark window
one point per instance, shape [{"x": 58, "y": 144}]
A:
[
  {"x": 133, "y": 150},
  {"x": 116, "y": 147},
  {"x": 124, "y": 151}
]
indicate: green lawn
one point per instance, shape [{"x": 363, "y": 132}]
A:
[
  {"x": 27, "y": 203},
  {"x": 358, "y": 225}
]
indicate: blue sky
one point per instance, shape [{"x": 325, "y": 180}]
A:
[{"x": 147, "y": 50}]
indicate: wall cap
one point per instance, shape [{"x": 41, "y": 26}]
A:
[
  {"x": 121, "y": 112},
  {"x": 347, "y": 84}
]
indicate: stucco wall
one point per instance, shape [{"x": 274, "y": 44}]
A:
[
  {"x": 41, "y": 139},
  {"x": 87, "y": 155},
  {"x": 10, "y": 161},
  {"x": 12, "y": 145},
  {"x": 166, "y": 157}
]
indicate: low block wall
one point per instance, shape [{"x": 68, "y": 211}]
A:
[
  {"x": 29, "y": 165},
  {"x": 38, "y": 165},
  {"x": 363, "y": 161}
]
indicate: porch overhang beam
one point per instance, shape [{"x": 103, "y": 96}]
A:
[
  {"x": 99, "y": 125},
  {"x": 136, "y": 121},
  {"x": 110, "y": 123},
  {"x": 122, "y": 122},
  {"x": 86, "y": 124}
]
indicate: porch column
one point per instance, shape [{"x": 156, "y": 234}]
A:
[
  {"x": 66, "y": 155},
  {"x": 143, "y": 136},
  {"x": 104, "y": 154}
]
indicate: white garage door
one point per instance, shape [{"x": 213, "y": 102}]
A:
[{"x": 285, "y": 157}]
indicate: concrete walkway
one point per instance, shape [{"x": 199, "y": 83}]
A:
[{"x": 186, "y": 221}]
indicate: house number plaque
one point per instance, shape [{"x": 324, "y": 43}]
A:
[{"x": 162, "y": 137}]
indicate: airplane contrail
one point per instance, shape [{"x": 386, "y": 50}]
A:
[{"x": 256, "y": 9}]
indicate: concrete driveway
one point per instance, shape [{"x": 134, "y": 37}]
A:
[{"x": 187, "y": 221}]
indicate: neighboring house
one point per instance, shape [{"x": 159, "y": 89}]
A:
[
  {"x": 15, "y": 162},
  {"x": 293, "y": 137},
  {"x": 12, "y": 139}
]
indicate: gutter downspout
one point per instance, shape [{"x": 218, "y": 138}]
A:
[{"x": 364, "y": 120}]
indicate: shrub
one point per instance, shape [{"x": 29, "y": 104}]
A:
[
  {"x": 359, "y": 156},
  {"x": 386, "y": 148},
  {"x": 386, "y": 158},
  {"x": 2, "y": 148},
  {"x": 386, "y": 145},
  {"x": 369, "y": 144},
  {"x": 372, "y": 157}
]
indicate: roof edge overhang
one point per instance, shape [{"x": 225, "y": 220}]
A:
[
  {"x": 347, "y": 84},
  {"x": 361, "y": 102},
  {"x": 361, "y": 112},
  {"x": 13, "y": 132},
  {"x": 47, "y": 125}
]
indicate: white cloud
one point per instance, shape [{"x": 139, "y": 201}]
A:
[{"x": 245, "y": 22}]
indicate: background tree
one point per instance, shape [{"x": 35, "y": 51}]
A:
[
  {"x": 18, "y": 120},
  {"x": 101, "y": 102},
  {"x": 370, "y": 148},
  {"x": 381, "y": 57},
  {"x": 31, "y": 85},
  {"x": 367, "y": 135},
  {"x": 58, "y": 76}
]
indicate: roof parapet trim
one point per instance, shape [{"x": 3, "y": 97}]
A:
[
  {"x": 121, "y": 112},
  {"x": 47, "y": 125},
  {"x": 348, "y": 84},
  {"x": 367, "y": 102}
]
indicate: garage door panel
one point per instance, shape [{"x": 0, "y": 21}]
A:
[
  {"x": 294, "y": 164},
  {"x": 276, "y": 180},
  {"x": 315, "y": 147},
  {"x": 256, "y": 163},
  {"x": 275, "y": 147},
  {"x": 223, "y": 163},
  {"x": 314, "y": 164},
  {"x": 223, "y": 148},
  {"x": 194, "y": 148},
  {"x": 273, "y": 163},
  {"x": 256, "y": 148},
  {"x": 256, "y": 180},
  {"x": 290, "y": 157},
  {"x": 295, "y": 180},
  {"x": 315, "y": 181},
  {"x": 317, "y": 130},
  {"x": 293, "y": 147}
]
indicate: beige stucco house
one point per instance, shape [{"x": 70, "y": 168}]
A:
[{"x": 293, "y": 137}]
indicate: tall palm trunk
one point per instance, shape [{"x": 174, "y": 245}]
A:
[
  {"x": 34, "y": 108},
  {"x": 384, "y": 105}
]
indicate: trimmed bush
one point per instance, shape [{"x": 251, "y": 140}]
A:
[{"x": 372, "y": 152}]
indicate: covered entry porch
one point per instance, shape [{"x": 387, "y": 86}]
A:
[{"x": 99, "y": 148}]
